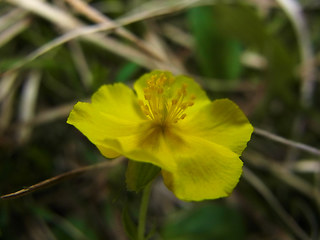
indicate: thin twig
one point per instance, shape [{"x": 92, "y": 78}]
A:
[
  {"x": 283, "y": 173},
  {"x": 288, "y": 142},
  {"x": 274, "y": 203},
  {"x": 61, "y": 177}
]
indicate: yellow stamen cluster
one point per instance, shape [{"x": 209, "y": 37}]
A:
[{"x": 162, "y": 104}]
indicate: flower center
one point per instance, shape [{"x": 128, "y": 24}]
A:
[{"x": 164, "y": 104}]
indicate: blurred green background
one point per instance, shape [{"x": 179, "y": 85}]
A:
[{"x": 264, "y": 55}]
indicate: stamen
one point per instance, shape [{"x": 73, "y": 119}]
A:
[{"x": 163, "y": 106}]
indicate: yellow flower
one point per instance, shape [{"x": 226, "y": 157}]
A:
[{"x": 170, "y": 122}]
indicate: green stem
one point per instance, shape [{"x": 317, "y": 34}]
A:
[{"x": 143, "y": 211}]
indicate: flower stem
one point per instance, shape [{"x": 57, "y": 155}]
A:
[{"x": 143, "y": 211}]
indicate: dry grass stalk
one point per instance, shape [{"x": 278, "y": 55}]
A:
[
  {"x": 12, "y": 31},
  {"x": 274, "y": 203},
  {"x": 28, "y": 103},
  {"x": 98, "y": 17}
]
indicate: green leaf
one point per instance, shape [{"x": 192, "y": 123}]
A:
[
  {"x": 139, "y": 174},
  {"x": 66, "y": 227},
  {"x": 243, "y": 23},
  {"x": 280, "y": 71},
  {"x": 205, "y": 222},
  {"x": 129, "y": 226},
  {"x": 127, "y": 71},
  {"x": 218, "y": 54}
]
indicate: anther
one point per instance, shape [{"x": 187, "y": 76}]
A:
[
  {"x": 183, "y": 116},
  {"x": 192, "y": 97},
  {"x": 160, "y": 90},
  {"x": 190, "y": 104},
  {"x": 147, "y": 97}
]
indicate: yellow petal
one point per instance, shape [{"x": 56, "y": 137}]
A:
[
  {"x": 221, "y": 122},
  {"x": 117, "y": 100},
  {"x": 114, "y": 112},
  {"x": 194, "y": 169},
  {"x": 150, "y": 144},
  {"x": 206, "y": 171}
]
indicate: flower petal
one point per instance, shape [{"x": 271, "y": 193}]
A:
[
  {"x": 150, "y": 144},
  {"x": 193, "y": 168},
  {"x": 114, "y": 112},
  {"x": 117, "y": 100},
  {"x": 207, "y": 171},
  {"x": 221, "y": 122}
]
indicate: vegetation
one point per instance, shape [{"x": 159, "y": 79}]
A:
[{"x": 263, "y": 55}]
